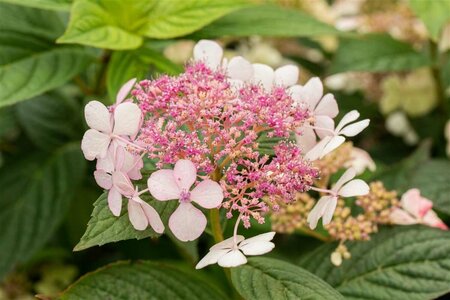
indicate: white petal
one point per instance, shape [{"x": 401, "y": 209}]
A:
[
  {"x": 329, "y": 210},
  {"x": 107, "y": 163},
  {"x": 312, "y": 92},
  {"x": 356, "y": 187},
  {"x": 137, "y": 216},
  {"x": 94, "y": 144},
  {"x": 295, "y": 92},
  {"x": 355, "y": 128},
  {"x": 333, "y": 144},
  {"x": 103, "y": 179},
  {"x": 208, "y": 194},
  {"x": 257, "y": 248},
  {"x": 327, "y": 107},
  {"x": 264, "y": 75},
  {"x": 228, "y": 243},
  {"x": 232, "y": 259},
  {"x": 209, "y": 52},
  {"x": 184, "y": 173},
  {"x": 264, "y": 237},
  {"x": 187, "y": 222},
  {"x": 127, "y": 117},
  {"x": 122, "y": 183},
  {"x": 153, "y": 217},
  {"x": 211, "y": 258},
  {"x": 348, "y": 118},
  {"x": 348, "y": 175},
  {"x": 318, "y": 149},
  {"x": 286, "y": 75},
  {"x": 306, "y": 140},
  {"x": 97, "y": 116},
  {"x": 317, "y": 212},
  {"x": 162, "y": 185},
  {"x": 125, "y": 90},
  {"x": 324, "y": 122},
  {"x": 114, "y": 201},
  {"x": 239, "y": 68},
  {"x": 401, "y": 217}
]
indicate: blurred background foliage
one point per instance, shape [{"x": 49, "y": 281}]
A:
[{"x": 389, "y": 59}]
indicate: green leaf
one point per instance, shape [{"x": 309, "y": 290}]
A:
[
  {"x": 104, "y": 227},
  {"x": 30, "y": 63},
  {"x": 410, "y": 262},
  {"x": 267, "y": 20},
  {"x": 35, "y": 193},
  {"x": 141, "y": 280},
  {"x": 433, "y": 180},
  {"x": 125, "y": 65},
  {"x": 267, "y": 278},
  {"x": 63, "y": 5},
  {"x": 376, "y": 53},
  {"x": 50, "y": 120},
  {"x": 435, "y": 14},
  {"x": 120, "y": 25}
]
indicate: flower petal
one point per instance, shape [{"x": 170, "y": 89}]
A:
[
  {"x": 317, "y": 212},
  {"x": 232, "y": 259},
  {"x": 318, "y": 149},
  {"x": 122, "y": 183},
  {"x": 184, "y": 173},
  {"x": 137, "y": 216},
  {"x": 295, "y": 92},
  {"x": 348, "y": 175},
  {"x": 228, "y": 243},
  {"x": 312, "y": 92},
  {"x": 103, "y": 179},
  {"x": 94, "y": 144},
  {"x": 115, "y": 201},
  {"x": 286, "y": 75},
  {"x": 355, "y": 128},
  {"x": 264, "y": 237},
  {"x": 153, "y": 217},
  {"x": 324, "y": 122},
  {"x": 107, "y": 163},
  {"x": 333, "y": 144},
  {"x": 356, "y": 187},
  {"x": 187, "y": 222},
  {"x": 97, "y": 116},
  {"x": 209, "y": 52},
  {"x": 162, "y": 185},
  {"x": 329, "y": 210},
  {"x": 347, "y": 118},
  {"x": 415, "y": 204},
  {"x": 431, "y": 219},
  {"x": 327, "y": 107},
  {"x": 240, "y": 69},
  {"x": 211, "y": 258},
  {"x": 257, "y": 248},
  {"x": 127, "y": 117},
  {"x": 401, "y": 217},
  {"x": 208, "y": 194},
  {"x": 264, "y": 75},
  {"x": 306, "y": 140},
  {"x": 125, "y": 90}
]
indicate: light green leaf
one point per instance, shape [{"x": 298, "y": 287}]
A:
[
  {"x": 433, "y": 180},
  {"x": 267, "y": 278},
  {"x": 376, "y": 53},
  {"x": 63, "y": 5},
  {"x": 50, "y": 120},
  {"x": 434, "y": 13},
  {"x": 104, "y": 227},
  {"x": 409, "y": 262},
  {"x": 30, "y": 63},
  {"x": 35, "y": 193},
  {"x": 125, "y": 65},
  {"x": 266, "y": 20},
  {"x": 141, "y": 280}
]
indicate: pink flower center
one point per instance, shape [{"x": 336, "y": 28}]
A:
[{"x": 185, "y": 196}]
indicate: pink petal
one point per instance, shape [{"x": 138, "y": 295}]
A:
[
  {"x": 264, "y": 237},
  {"x": 348, "y": 175},
  {"x": 239, "y": 68},
  {"x": 122, "y": 183},
  {"x": 228, "y": 243},
  {"x": 324, "y": 122},
  {"x": 127, "y": 117},
  {"x": 135, "y": 172},
  {"x": 97, "y": 116},
  {"x": 187, "y": 222},
  {"x": 431, "y": 219},
  {"x": 286, "y": 75},
  {"x": 115, "y": 201},
  {"x": 312, "y": 92},
  {"x": 103, "y": 179},
  {"x": 94, "y": 144},
  {"x": 211, "y": 258},
  {"x": 162, "y": 185},
  {"x": 332, "y": 145},
  {"x": 348, "y": 118},
  {"x": 356, "y": 187},
  {"x": 209, "y": 52},
  {"x": 415, "y": 204},
  {"x": 306, "y": 140},
  {"x": 354, "y": 129},
  {"x": 153, "y": 218},
  {"x": 257, "y": 248},
  {"x": 107, "y": 163},
  {"x": 232, "y": 259},
  {"x": 208, "y": 194},
  {"x": 401, "y": 217},
  {"x": 264, "y": 75},
  {"x": 137, "y": 216},
  {"x": 125, "y": 90},
  {"x": 327, "y": 107},
  {"x": 184, "y": 173}
]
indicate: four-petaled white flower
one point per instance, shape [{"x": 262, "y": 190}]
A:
[
  {"x": 334, "y": 137},
  {"x": 230, "y": 252},
  {"x": 344, "y": 187},
  {"x": 187, "y": 222}
]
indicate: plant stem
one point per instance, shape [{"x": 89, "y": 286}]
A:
[
  {"x": 102, "y": 72},
  {"x": 436, "y": 72},
  {"x": 314, "y": 234}
]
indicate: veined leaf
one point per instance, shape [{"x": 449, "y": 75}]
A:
[
  {"x": 267, "y": 278},
  {"x": 30, "y": 63},
  {"x": 405, "y": 262},
  {"x": 63, "y": 5},
  {"x": 141, "y": 280},
  {"x": 34, "y": 196},
  {"x": 435, "y": 14}
]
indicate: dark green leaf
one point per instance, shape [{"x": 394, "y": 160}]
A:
[
  {"x": 267, "y": 278},
  {"x": 63, "y": 5},
  {"x": 376, "y": 53},
  {"x": 141, "y": 280},
  {"x": 34, "y": 196},
  {"x": 410, "y": 262}
]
